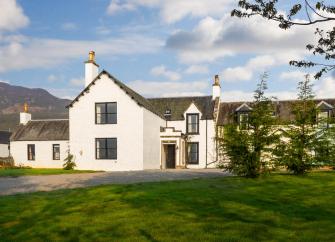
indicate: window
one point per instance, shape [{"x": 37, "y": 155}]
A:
[
  {"x": 193, "y": 153},
  {"x": 31, "y": 152},
  {"x": 243, "y": 119},
  {"x": 192, "y": 123},
  {"x": 56, "y": 152},
  {"x": 323, "y": 118},
  {"x": 105, "y": 113},
  {"x": 106, "y": 148}
]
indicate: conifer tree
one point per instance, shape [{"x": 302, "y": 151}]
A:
[
  {"x": 297, "y": 149},
  {"x": 247, "y": 148}
]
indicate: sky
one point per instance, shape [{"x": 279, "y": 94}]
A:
[{"x": 158, "y": 47}]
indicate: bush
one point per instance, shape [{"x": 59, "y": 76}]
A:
[
  {"x": 7, "y": 162},
  {"x": 69, "y": 162}
]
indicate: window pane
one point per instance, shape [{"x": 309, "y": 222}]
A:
[
  {"x": 111, "y": 143},
  {"x": 193, "y": 157},
  {"x": 56, "y": 152},
  {"x": 111, "y": 108},
  {"x": 101, "y": 143},
  {"x": 111, "y": 119},
  {"x": 31, "y": 152},
  {"x": 192, "y": 123},
  {"x": 193, "y": 153},
  {"x": 111, "y": 154},
  {"x": 101, "y": 107},
  {"x": 101, "y": 153},
  {"x": 101, "y": 118}
]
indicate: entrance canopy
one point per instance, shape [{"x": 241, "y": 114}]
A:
[{"x": 172, "y": 148}]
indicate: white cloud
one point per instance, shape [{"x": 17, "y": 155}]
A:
[
  {"x": 213, "y": 39},
  {"x": 5, "y": 81},
  {"x": 293, "y": 76},
  {"x": 69, "y": 26},
  {"x": 197, "y": 69},
  {"x": 103, "y": 30},
  {"x": 174, "y": 10},
  {"x": 52, "y": 78},
  {"x": 12, "y": 16},
  {"x": 116, "y": 6},
  {"x": 237, "y": 74},
  {"x": 169, "y": 88},
  {"x": 27, "y": 53},
  {"x": 325, "y": 88},
  {"x": 162, "y": 71},
  {"x": 245, "y": 73},
  {"x": 77, "y": 81}
]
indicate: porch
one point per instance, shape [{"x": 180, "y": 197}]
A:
[{"x": 173, "y": 149}]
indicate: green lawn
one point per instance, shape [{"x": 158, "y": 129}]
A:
[
  {"x": 33, "y": 172},
  {"x": 272, "y": 208}
]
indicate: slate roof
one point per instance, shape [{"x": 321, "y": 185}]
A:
[
  {"x": 282, "y": 110},
  {"x": 140, "y": 100},
  {"x": 4, "y": 137},
  {"x": 178, "y": 105},
  {"x": 42, "y": 130}
]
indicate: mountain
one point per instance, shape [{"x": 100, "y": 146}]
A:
[{"x": 42, "y": 104}]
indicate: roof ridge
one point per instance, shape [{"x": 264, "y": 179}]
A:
[{"x": 178, "y": 97}]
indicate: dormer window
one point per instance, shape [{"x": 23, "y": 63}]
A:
[
  {"x": 243, "y": 121},
  {"x": 105, "y": 113},
  {"x": 324, "y": 113},
  {"x": 167, "y": 114},
  {"x": 323, "y": 118},
  {"x": 243, "y": 116},
  {"x": 192, "y": 123}
]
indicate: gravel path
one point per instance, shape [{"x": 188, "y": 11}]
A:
[{"x": 26, "y": 184}]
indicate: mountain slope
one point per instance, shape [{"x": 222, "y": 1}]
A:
[{"x": 41, "y": 104}]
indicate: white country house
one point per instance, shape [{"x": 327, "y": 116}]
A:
[{"x": 113, "y": 128}]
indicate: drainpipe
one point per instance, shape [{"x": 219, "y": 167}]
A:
[{"x": 206, "y": 142}]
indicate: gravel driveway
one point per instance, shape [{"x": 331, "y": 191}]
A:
[{"x": 25, "y": 184}]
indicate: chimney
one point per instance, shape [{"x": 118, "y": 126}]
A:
[
  {"x": 91, "y": 68},
  {"x": 216, "y": 88},
  {"x": 25, "y": 117}
]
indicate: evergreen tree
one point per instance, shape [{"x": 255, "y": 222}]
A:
[
  {"x": 246, "y": 149},
  {"x": 296, "y": 150}
]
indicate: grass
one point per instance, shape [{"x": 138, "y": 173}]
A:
[
  {"x": 276, "y": 207},
  {"x": 15, "y": 172}
]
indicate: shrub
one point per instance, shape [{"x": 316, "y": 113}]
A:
[
  {"x": 69, "y": 162},
  {"x": 7, "y": 162}
]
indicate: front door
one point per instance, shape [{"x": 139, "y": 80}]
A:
[{"x": 171, "y": 157}]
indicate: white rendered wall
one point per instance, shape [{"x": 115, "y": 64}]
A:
[
  {"x": 216, "y": 91},
  {"x": 128, "y": 130},
  {"x": 25, "y": 118},
  {"x": 201, "y": 138},
  {"x": 4, "y": 151},
  {"x": 151, "y": 139},
  {"x": 91, "y": 72},
  {"x": 43, "y": 153}
]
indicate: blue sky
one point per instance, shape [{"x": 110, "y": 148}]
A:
[{"x": 160, "y": 48}]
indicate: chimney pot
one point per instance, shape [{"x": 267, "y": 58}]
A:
[
  {"x": 91, "y": 56},
  {"x": 216, "y": 88},
  {"x": 217, "y": 80}
]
